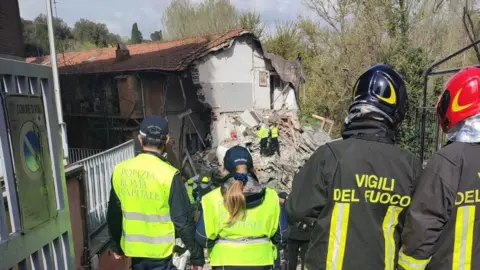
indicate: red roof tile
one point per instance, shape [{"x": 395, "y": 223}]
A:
[{"x": 165, "y": 56}]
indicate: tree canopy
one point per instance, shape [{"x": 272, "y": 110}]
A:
[
  {"x": 137, "y": 36},
  {"x": 184, "y": 18},
  {"x": 85, "y": 34},
  {"x": 156, "y": 36}
]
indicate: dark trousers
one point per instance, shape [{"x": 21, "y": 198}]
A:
[
  {"x": 153, "y": 264},
  {"x": 274, "y": 146},
  {"x": 263, "y": 145},
  {"x": 295, "y": 248}
]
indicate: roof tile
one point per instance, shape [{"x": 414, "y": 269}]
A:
[{"x": 165, "y": 56}]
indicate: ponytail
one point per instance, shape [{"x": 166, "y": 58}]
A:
[{"x": 234, "y": 199}]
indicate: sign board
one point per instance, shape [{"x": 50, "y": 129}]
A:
[{"x": 31, "y": 158}]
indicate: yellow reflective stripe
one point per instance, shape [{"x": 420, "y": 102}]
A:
[
  {"x": 145, "y": 217},
  {"x": 149, "y": 239},
  {"x": 462, "y": 248},
  {"x": 410, "y": 263},
  {"x": 389, "y": 223},
  {"x": 338, "y": 236}
]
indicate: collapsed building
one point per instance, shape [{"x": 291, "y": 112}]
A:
[
  {"x": 200, "y": 84},
  {"x": 297, "y": 144}
]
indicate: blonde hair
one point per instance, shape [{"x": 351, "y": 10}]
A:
[{"x": 234, "y": 199}]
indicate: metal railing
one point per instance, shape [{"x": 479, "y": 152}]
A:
[
  {"x": 98, "y": 170},
  {"x": 35, "y": 228},
  {"x": 76, "y": 154}
]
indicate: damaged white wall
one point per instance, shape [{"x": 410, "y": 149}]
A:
[
  {"x": 236, "y": 78},
  {"x": 283, "y": 95},
  {"x": 233, "y": 80}
]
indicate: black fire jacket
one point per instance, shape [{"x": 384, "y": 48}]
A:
[
  {"x": 355, "y": 192},
  {"x": 442, "y": 226}
]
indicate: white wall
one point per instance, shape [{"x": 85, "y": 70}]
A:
[
  {"x": 223, "y": 126},
  {"x": 229, "y": 78},
  {"x": 290, "y": 99},
  {"x": 221, "y": 129},
  {"x": 261, "y": 94},
  {"x": 283, "y": 98}
]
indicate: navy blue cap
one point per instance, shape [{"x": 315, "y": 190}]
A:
[
  {"x": 154, "y": 126},
  {"x": 235, "y": 156},
  {"x": 283, "y": 195}
]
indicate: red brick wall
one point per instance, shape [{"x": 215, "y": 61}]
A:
[{"x": 11, "y": 37}]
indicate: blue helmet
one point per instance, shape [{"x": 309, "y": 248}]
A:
[{"x": 382, "y": 87}]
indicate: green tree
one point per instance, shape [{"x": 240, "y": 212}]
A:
[
  {"x": 156, "y": 36},
  {"x": 285, "y": 40},
  {"x": 251, "y": 21},
  {"x": 95, "y": 33},
  {"x": 182, "y": 18},
  {"x": 137, "y": 36},
  {"x": 36, "y": 35}
]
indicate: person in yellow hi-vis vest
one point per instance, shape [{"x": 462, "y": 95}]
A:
[
  {"x": 263, "y": 135},
  {"x": 241, "y": 221},
  {"x": 274, "y": 145},
  {"x": 189, "y": 188},
  {"x": 149, "y": 204}
]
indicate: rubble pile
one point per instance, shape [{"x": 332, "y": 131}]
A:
[{"x": 297, "y": 144}]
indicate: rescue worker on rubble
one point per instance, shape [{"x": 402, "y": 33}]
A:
[
  {"x": 441, "y": 228},
  {"x": 203, "y": 188},
  {"x": 274, "y": 145},
  {"x": 263, "y": 135},
  {"x": 149, "y": 204},
  {"x": 353, "y": 193},
  {"x": 241, "y": 221}
]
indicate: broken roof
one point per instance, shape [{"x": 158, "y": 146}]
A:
[
  {"x": 163, "y": 56},
  {"x": 168, "y": 56}
]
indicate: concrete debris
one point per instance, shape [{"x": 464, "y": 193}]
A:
[
  {"x": 250, "y": 118},
  {"x": 297, "y": 144}
]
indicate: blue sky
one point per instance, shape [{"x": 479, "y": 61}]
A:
[{"x": 119, "y": 15}]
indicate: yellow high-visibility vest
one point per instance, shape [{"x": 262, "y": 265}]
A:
[
  {"x": 247, "y": 242},
  {"x": 263, "y": 133},
  {"x": 274, "y": 131},
  {"x": 143, "y": 186},
  {"x": 190, "y": 192}
]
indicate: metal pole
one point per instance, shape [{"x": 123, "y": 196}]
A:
[{"x": 56, "y": 81}]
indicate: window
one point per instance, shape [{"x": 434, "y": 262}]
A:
[{"x": 263, "y": 79}]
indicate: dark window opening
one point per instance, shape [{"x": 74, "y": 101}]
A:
[{"x": 193, "y": 143}]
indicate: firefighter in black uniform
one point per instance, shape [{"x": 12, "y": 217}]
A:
[
  {"x": 442, "y": 225},
  {"x": 353, "y": 193}
]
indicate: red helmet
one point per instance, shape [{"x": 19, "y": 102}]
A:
[{"x": 461, "y": 98}]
